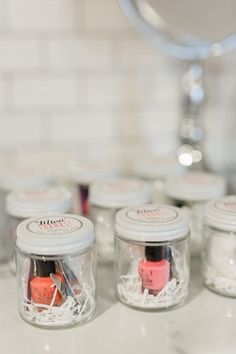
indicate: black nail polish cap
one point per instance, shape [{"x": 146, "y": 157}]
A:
[
  {"x": 154, "y": 253},
  {"x": 157, "y": 253},
  {"x": 44, "y": 268}
]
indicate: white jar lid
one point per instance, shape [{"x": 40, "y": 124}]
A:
[
  {"x": 55, "y": 235},
  {"x": 195, "y": 186},
  {"x": 23, "y": 178},
  {"x": 86, "y": 172},
  {"x": 155, "y": 167},
  {"x": 27, "y": 203},
  {"x": 152, "y": 223},
  {"x": 119, "y": 192},
  {"x": 221, "y": 213}
]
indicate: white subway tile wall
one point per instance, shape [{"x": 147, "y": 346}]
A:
[{"x": 75, "y": 71}]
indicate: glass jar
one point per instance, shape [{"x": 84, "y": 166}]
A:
[
  {"x": 190, "y": 192},
  {"x": 13, "y": 179},
  {"x": 106, "y": 198},
  {"x": 152, "y": 256},
  {"x": 82, "y": 174},
  {"x": 219, "y": 246},
  {"x": 155, "y": 170},
  {"x": 26, "y": 203},
  {"x": 56, "y": 263}
]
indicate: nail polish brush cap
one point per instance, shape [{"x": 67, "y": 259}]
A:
[
  {"x": 44, "y": 268},
  {"x": 55, "y": 235}
]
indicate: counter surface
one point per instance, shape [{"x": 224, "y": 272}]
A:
[{"x": 206, "y": 324}]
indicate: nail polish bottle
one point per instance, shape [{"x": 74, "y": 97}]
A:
[
  {"x": 84, "y": 195},
  {"x": 42, "y": 287},
  {"x": 154, "y": 270}
]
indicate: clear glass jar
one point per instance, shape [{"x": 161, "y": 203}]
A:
[
  {"x": 152, "y": 256},
  {"x": 31, "y": 202},
  {"x": 11, "y": 180},
  {"x": 190, "y": 192},
  {"x": 155, "y": 170},
  {"x": 106, "y": 198},
  {"x": 56, "y": 265},
  {"x": 82, "y": 174},
  {"x": 219, "y": 246}
]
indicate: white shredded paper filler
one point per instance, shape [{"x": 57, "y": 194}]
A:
[
  {"x": 73, "y": 310},
  {"x": 219, "y": 281},
  {"x": 130, "y": 290}
]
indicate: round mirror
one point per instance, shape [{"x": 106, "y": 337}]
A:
[{"x": 186, "y": 29}]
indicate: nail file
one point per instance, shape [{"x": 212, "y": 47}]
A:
[
  {"x": 59, "y": 285},
  {"x": 72, "y": 283}
]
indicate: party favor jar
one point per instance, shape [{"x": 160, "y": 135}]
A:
[
  {"x": 219, "y": 246},
  {"x": 152, "y": 256},
  {"x": 82, "y": 174},
  {"x": 106, "y": 198},
  {"x": 155, "y": 170},
  {"x": 31, "y": 202},
  {"x": 12, "y": 179},
  {"x": 190, "y": 192},
  {"x": 56, "y": 263}
]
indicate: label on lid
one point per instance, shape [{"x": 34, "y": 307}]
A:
[
  {"x": 122, "y": 185},
  {"x": 54, "y": 225},
  {"x": 160, "y": 214},
  {"x": 226, "y": 206},
  {"x": 38, "y": 194},
  {"x": 199, "y": 178}
]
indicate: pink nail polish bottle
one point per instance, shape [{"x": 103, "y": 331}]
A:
[{"x": 154, "y": 270}]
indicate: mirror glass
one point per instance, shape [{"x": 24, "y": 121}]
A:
[{"x": 186, "y": 29}]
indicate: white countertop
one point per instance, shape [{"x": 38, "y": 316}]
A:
[{"x": 206, "y": 324}]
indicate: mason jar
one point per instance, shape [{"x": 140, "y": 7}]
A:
[
  {"x": 152, "y": 256},
  {"x": 219, "y": 246},
  {"x": 56, "y": 263},
  {"x": 31, "y": 202},
  {"x": 82, "y": 174},
  {"x": 155, "y": 170},
  {"x": 12, "y": 179},
  {"x": 106, "y": 198},
  {"x": 190, "y": 192}
]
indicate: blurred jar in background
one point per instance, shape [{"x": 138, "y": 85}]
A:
[
  {"x": 190, "y": 192},
  {"x": 82, "y": 174},
  {"x": 155, "y": 170},
  {"x": 27, "y": 203},
  {"x": 13, "y": 179},
  {"x": 106, "y": 198},
  {"x": 219, "y": 245}
]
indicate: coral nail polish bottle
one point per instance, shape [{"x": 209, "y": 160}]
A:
[
  {"x": 154, "y": 270},
  {"x": 42, "y": 287}
]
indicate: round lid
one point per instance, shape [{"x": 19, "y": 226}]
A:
[
  {"x": 119, "y": 192},
  {"x": 221, "y": 213},
  {"x": 23, "y": 178},
  {"x": 157, "y": 167},
  {"x": 86, "y": 172},
  {"x": 26, "y": 203},
  {"x": 152, "y": 223},
  {"x": 195, "y": 186},
  {"x": 55, "y": 235}
]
